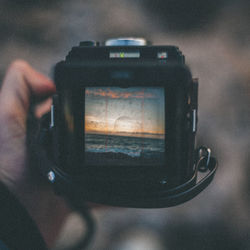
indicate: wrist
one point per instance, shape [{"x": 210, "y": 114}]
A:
[
  {"x": 47, "y": 210},
  {"x": 16, "y": 224}
]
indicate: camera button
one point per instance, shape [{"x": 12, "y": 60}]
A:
[
  {"x": 194, "y": 119},
  {"x": 90, "y": 43},
  {"x": 52, "y": 120}
]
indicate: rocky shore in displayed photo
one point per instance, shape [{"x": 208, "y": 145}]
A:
[
  {"x": 113, "y": 150},
  {"x": 120, "y": 159}
]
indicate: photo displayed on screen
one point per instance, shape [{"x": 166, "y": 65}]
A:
[{"x": 124, "y": 126}]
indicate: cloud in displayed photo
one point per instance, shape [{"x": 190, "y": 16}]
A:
[{"x": 133, "y": 111}]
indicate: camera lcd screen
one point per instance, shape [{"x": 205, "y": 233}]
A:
[{"x": 124, "y": 126}]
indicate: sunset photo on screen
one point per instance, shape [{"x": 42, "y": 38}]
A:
[{"x": 124, "y": 126}]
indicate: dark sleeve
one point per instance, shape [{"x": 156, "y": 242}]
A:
[
  {"x": 3, "y": 246},
  {"x": 17, "y": 229}
]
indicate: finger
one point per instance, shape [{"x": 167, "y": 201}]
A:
[
  {"x": 21, "y": 84},
  {"x": 43, "y": 108}
]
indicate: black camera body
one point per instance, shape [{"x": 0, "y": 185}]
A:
[{"x": 122, "y": 127}]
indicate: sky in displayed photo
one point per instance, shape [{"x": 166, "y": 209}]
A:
[{"x": 125, "y": 111}]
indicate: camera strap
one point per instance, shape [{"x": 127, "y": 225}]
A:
[{"x": 204, "y": 170}]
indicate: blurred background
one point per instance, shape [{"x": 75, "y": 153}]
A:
[{"x": 215, "y": 37}]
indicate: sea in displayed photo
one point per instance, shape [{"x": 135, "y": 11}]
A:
[{"x": 124, "y": 126}]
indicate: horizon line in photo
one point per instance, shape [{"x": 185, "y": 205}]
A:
[{"x": 128, "y": 134}]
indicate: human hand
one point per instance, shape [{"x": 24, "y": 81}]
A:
[{"x": 21, "y": 84}]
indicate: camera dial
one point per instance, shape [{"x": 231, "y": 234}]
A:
[{"x": 126, "y": 41}]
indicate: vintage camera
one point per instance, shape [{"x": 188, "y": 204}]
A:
[{"x": 122, "y": 126}]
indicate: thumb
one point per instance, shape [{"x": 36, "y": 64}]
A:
[{"x": 22, "y": 83}]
